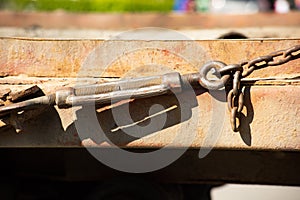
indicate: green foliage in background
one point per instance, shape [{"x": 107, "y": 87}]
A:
[{"x": 89, "y": 5}]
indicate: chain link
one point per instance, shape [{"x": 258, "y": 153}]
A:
[
  {"x": 273, "y": 59},
  {"x": 235, "y": 97}
]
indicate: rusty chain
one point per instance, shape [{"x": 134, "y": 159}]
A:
[{"x": 235, "y": 97}]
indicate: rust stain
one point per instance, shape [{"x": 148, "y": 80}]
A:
[
  {"x": 14, "y": 97},
  {"x": 275, "y": 123},
  {"x": 64, "y": 58}
]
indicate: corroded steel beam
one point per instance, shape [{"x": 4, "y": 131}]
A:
[
  {"x": 66, "y": 58},
  {"x": 271, "y": 116},
  {"x": 266, "y": 150},
  {"x": 271, "y": 122}
]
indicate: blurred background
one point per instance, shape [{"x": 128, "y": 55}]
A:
[
  {"x": 216, "y": 6},
  {"x": 102, "y": 19}
]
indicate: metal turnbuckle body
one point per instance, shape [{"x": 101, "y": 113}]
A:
[{"x": 103, "y": 93}]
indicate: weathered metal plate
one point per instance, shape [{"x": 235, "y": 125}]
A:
[
  {"x": 65, "y": 58},
  {"x": 272, "y": 110},
  {"x": 271, "y": 122}
]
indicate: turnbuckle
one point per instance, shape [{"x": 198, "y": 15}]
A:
[
  {"x": 103, "y": 93},
  {"x": 134, "y": 88},
  {"x": 112, "y": 92}
]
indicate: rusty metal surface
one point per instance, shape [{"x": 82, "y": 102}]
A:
[
  {"x": 272, "y": 122},
  {"x": 14, "y": 97},
  {"x": 63, "y": 58},
  {"x": 125, "y": 21},
  {"x": 272, "y": 108},
  {"x": 265, "y": 151}
]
